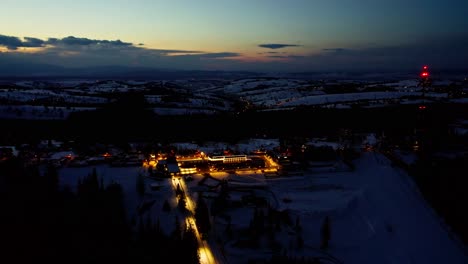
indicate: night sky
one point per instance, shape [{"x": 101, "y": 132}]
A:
[{"x": 254, "y": 35}]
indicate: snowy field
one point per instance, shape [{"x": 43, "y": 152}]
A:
[
  {"x": 56, "y": 100},
  {"x": 377, "y": 213}
]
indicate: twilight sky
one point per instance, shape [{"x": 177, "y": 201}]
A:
[{"x": 258, "y": 35}]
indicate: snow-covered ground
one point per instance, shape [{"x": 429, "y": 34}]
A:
[
  {"x": 127, "y": 178},
  {"x": 377, "y": 213},
  {"x": 377, "y": 216},
  {"x": 390, "y": 222},
  {"x": 182, "y": 97}
]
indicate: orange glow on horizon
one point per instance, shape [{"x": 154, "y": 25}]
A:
[
  {"x": 174, "y": 54},
  {"x": 22, "y": 49}
]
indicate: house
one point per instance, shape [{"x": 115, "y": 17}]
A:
[{"x": 168, "y": 168}]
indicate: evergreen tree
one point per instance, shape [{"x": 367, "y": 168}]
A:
[
  {"x": 221, "y": 201},
  {"x": 325, "y": 233},
  {"x": 300, "y": 242},
  {"x": 202, "y": 215},
  {"x": 141, "y": 237},
  {"x": 177, "y": 233},
  {"x": 190, "y": 246},
  {"x": 179, "y": 191},
  {"x": 182, "y": 204},
  {"x": 166, "y": 206}
]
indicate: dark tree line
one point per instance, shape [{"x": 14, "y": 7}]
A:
[
  {"x": 443, "y": 183},
  {"x": 129, "y": 117},
  {"x": 152, "y": 244},
  {"x": 44, "y": 223},
  {"x": 202, "y": 215}
]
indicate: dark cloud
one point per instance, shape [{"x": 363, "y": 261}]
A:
[
  {"x": 53, "y": 41},
  {"x": 286, "y": 56},
  {"x": 84, "y": 52},
  {"x": 77, "y": 41},
  {"x": 441, "y": 53},
  {"x": 174, "y": 52},
  {"x": 71, "y": 40},
  {"x": 277, "y": 46},
  {"x": 219, "y": 55},
  {"x": 335, "y": 50},
  {"x": 33, "y": 42},
  {"x": 11, "y": 43},
  {"x": 448, "y": 51},
  {"x": 115, "y": 42}
]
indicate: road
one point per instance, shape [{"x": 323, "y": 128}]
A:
[
  {"x": 208, "y": 254},
  {"x": 204, "y": 249}
]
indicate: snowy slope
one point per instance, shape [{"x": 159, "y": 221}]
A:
[{"x": 377, "y": 213}]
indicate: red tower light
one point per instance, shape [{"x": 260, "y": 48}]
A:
[{"x": 425, "y": 72}]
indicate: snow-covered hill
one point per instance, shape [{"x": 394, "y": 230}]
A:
[{"x": 33, "y": 99}]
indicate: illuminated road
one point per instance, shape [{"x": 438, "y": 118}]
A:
[
  {"x": 204, "y": 250},
  {"x": 206, "y": 253}
]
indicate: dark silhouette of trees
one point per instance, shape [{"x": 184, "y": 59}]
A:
[
  {"x": 442, "y": 183},
  {"x": 179, "y": 191},
  {"x": 181, "y": 204},
  {"x": 221, "y": 201},
  {"x": 88, "y": 225},
  {"x": 177, "y": 232},
  {"x": 190, "y": 244},
  {"x": 166, "y": 206},
  {"x": 325, "y": 233},
  {"x": 202, "y": 215}
]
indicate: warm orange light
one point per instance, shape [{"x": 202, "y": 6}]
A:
[{"x": 23, "y": 49}]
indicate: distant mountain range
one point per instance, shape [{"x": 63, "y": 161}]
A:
[{"x": 48, "y": 71}]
